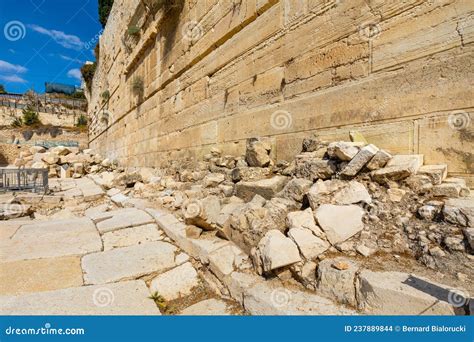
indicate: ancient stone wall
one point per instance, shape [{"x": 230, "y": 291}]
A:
[
  {"x": 210, "y": 73},
  {"x": 7, "y": 115}
]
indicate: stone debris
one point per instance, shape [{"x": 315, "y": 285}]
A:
[
  {"x": 298, "y": 224},
  {"x": 275, "y": 250},
  {"x": 339, "y": 222}
]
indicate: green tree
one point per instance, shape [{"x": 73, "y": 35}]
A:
[
  {"x": 30, "y": 116},
  {"x": 2, "y": 89},
  {"x": 104, "y": 10},
  {"x": 88, "y": 71}
]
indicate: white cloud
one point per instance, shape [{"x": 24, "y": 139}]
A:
[
  {"x": 67, "y": 41},
  {"x": 11, "y": 68},
  {"x": 12, "y": 79},
  {"x": 75, "y": 73},
  {"x": 70, "y": 59}
]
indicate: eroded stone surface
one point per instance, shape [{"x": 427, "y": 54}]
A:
[
  {"x": 131, "y": 236},
  {"x": 208, "y": 307},
  {"x": 124, "y": 298},
  {"x": 175, "y": 283},
  {"x": 128, "y": 262}
]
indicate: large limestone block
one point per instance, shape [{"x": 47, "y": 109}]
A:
[
  {"x": 202, "y": 213},
  {"x": 309, "y": 245},
  {"x": 313, "y": 168},
  {"x": 303, "y": 219},
  {"x": 399, "y": 167},
  {"x": 208, "y": 307},
  {"x": 124, "y": 298},
  {"x": 176, "y": 283},
  {"x": 459, "y": 211},
  {"x": 339, "y": 222},
  {"x": 396, "y": 293},
  {"x": 380, "y": 159},
  {"x": 343, "y": 150},
  {"x": 266, "y": 188},
  {"x": 354, "y": 192},
  {"x": 263, "y": 298},
  {"x": 228, "y": 259},
  {"x": 276, "y": 250},
  {"x": 54, "y": 238},
  {"x": 360, "y": 160},
  {"x": 336, "y": 282},
  {"x": 437, "y": 173},
  {"x": 258, "y": 152},
  {"x": 128, "y": 262},
  {"x": 124, "y": 218},
  {"x": 295, "y": 189}
]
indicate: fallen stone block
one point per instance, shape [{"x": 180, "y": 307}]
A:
[
  {"x": 459, "y": 211},
  {"x": 469, "y": 234},
  {"x": 365, "y": 154},
  {"x": 398, "y": 168},
  {"x": 309, "y": 245},
  {"x": 396, "y": 293},
  {"x": 339, "y": 222},
  {"x": 342, "y": 150},
  {"x": 176, "y": 283},
  {"x": 276, "y": 250},
  {"x": 353, "y": 192},
  {"x": 437, "y": 173},
  {"x": 212, "y": 180},
  {"x": 337, "y": 282},
  {"x": 304, "y": 219},
  {"x": 124, "y": 298},
  {"x": 267, "y": 188},
  {"x": 202, "y": 213},
  {"x": 258, "y": 152},
  {"x": 380, "y": 159},
  {"x": 312, "y": 168},
  {"x": 447, "y": 190},
  {"x": 228, "y": 259},
  {"x": 128, "y": 262},
  {"x": 264, "y": 298},
  {"x": 295, "y": 189}
]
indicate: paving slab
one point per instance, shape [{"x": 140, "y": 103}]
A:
[
  {"x": 176, "y": 283},
  {"x": 131, "y": 236},
  {"x": 39, "y": 275},
  {"x": 128, "y": 262},
  {"x": 124, "y": 218},
  {"x": 124, "y": 298},
  {"x": 54, "y": 238}
]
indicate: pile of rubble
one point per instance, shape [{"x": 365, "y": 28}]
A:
[
  {"x": 347, "y": 197},
  {"x": 324, "y": 221},
  {"x": 63, "y": 162}
]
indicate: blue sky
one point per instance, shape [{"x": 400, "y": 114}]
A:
[{"x": 45, "y": 41}]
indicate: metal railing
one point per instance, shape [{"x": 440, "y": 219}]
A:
[{"x": 24, "y": 179}]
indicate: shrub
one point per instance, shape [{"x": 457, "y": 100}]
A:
[
  {"x": 30, "y": 116},
  {"x": 137, "y": 85},
  {"x": 17, "y": 122},
  {"x": 88, "y": 71},
  {"x": 133, "y": 30},
  {"x": 105, "y": 96},
  {"x": 104, "y": 10},
  {"x": 2, "y": 89},
  {"x": 81, "y": 121}
]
